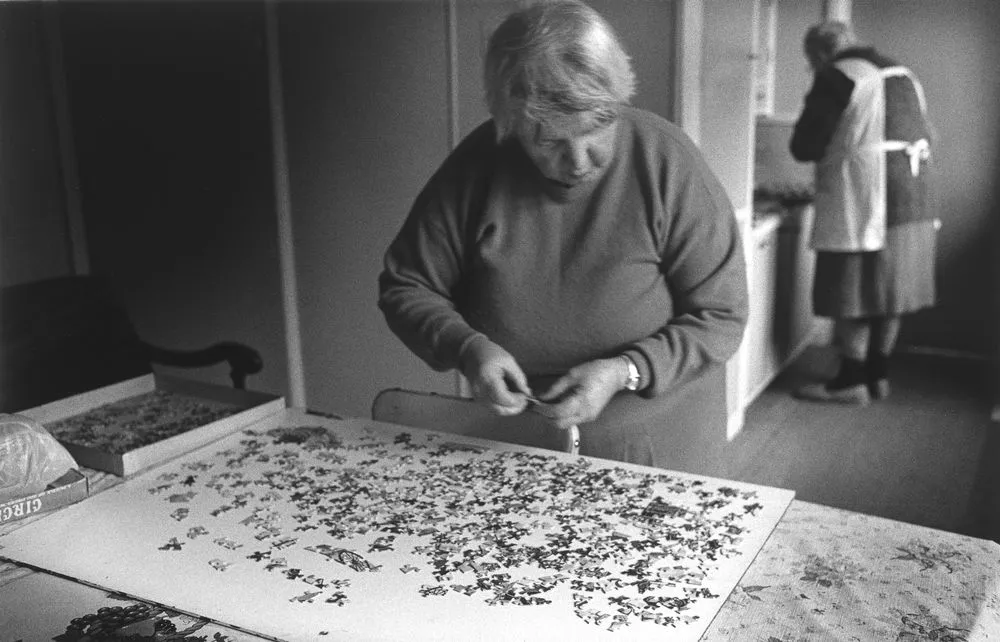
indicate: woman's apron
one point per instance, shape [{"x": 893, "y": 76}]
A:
[{"x": 851, "y": 177}]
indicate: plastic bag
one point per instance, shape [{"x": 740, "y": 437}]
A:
[{"x": 30, "y": 458}]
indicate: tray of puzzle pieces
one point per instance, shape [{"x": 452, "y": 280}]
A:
[{"x": 136, "y": 424}]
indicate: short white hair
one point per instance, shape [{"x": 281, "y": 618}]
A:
[{"x": 554, "y": 58}]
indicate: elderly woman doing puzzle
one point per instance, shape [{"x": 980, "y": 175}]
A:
[{"x": 576, "y": 249}]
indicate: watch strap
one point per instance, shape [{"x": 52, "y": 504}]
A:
[{"x": 633, "y": 379}]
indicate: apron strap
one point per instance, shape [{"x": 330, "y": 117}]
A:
[
  {"x": 917, "y": 151},
  {"x": 899, "y": 70}
]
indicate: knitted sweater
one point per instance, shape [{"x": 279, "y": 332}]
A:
[{"x": 647, "y": 258}]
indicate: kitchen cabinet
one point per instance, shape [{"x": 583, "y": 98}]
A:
[
  {"x": 762, "y": 352},
  {"x": 795, "y": 324},
  {"x": 781, "y": 322}
]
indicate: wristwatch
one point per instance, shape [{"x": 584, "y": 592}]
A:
[{"x": 632, "y": 381}]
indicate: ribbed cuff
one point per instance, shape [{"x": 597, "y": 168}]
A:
[{"x": 464, "y": 345}]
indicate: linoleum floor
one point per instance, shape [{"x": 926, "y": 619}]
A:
[{"x": 929, "y": 454}]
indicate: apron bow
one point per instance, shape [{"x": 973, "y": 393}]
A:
[{"x": 917, "y": 151}]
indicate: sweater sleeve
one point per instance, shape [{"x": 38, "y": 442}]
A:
[
  {"x": 422, "y": 271},
  {"x": 703, "y": 262},
  {"x": 824, "y": 105}
]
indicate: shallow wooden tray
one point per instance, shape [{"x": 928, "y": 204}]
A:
[{"x": 251, "y": 407}]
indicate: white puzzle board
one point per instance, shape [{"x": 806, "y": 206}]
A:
[{"x": 303, "y": 527}]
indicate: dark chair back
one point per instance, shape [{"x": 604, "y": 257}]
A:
[{"x": 64, "y": 336}]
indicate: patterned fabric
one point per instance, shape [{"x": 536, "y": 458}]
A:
[{"x": 829, "y": 574}]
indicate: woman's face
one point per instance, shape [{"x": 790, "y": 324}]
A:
[{"x": 570, "y": 149}]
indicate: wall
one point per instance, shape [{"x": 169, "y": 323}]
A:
[
  {"x": 727, "y": 97},
  {"x": 34, "y": 242},
  {"x": 646, "y": 28},
  {"x": 366, "y": 113},
  {"x": 475, "y": 21},
  {"x": 792, "y": 76},
  {"x": 170, "y": 114}
]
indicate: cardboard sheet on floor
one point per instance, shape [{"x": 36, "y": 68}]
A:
[{"x": 303, "y": 527}]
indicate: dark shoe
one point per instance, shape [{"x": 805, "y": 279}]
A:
[
  {"x": 878, "y": 388},
  {"x": 877, "y": 369},
  {"x": 857, "y": 395},
  {"x": 850, "y": 386}
]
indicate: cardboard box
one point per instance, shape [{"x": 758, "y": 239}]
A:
[
  {"x": 70, "y": 488},
  {"x": 244, "y": 408}
]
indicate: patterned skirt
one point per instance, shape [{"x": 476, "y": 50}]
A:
[{"x": 896, "y": 280}]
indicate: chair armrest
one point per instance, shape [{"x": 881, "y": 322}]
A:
[{"x": 243, "y": 360}]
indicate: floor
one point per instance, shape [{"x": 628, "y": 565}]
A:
[{"x": 928, "y": 454}]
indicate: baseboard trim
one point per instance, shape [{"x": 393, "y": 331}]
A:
[
  {"x": 954, "y": 354},
  {"x": 942, "y": 352},
  {"x": 734, "y": 424},
  {"x": 823, "y": 335}
]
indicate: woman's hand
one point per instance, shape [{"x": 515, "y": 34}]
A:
[
  {"x": 582, "y": 393},
  {"x": 496, "y": 378}
]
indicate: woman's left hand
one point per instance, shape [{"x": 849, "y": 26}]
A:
[{"x": 582, "y": 393}]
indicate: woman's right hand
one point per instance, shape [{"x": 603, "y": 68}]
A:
[{"x": 495, "y": 377}]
